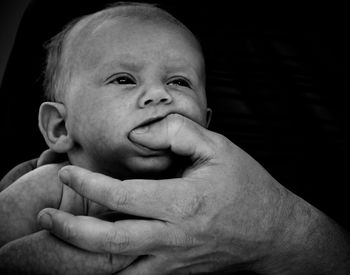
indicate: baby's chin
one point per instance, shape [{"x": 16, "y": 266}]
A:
[
  {"x": 163, "y": 165},
  {"x": 156, "y": 167}
]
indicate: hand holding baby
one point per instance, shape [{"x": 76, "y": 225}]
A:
[
  {"x": 130, "y": 104},
  {"x": 226, "y": 212}
]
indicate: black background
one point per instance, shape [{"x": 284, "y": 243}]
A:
[{"x": 278, "y": 81}]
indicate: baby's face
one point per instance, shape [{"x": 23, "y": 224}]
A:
[{"x": 128, "y": 73}]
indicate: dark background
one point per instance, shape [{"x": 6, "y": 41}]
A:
[{"x": 278, "y": 82}]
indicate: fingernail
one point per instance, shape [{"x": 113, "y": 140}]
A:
[
  {"x": 140, "y": 130},
  {"x": 45, "y": 221},
  {"x": 63, "y": 174}
]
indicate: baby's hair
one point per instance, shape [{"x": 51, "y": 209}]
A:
[{"x": 58, "y": 70}]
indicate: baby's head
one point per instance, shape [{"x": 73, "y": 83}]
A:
[{"x": 116, "y": 70}]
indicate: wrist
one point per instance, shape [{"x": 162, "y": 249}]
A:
[{"x": 308, "y": 242}]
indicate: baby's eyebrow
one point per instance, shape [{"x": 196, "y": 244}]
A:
[
  {"x": 182, "y": 67},
  {"x": 131, "y": 66},
  {"x": 181, "y": 64},
  {"x": 127, "y": 65}
]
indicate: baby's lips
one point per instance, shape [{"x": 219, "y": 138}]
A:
[
  {"x": 145, "y": 126},
  {"x": 140, "y": 130}
]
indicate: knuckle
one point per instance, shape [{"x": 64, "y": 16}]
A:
[
  {"x": 223, "y": 142},
  {"x": 119, "y": 197},
  {"x": 180, "y": 240},
  {"x": 218, "y": 140},
  {"x": 80, "y": 184},
  {"x": 116, "y": 242},
  {"x": 112, "y": 263},
  {"x": 68, "y": 231},
  {"x": 175, "y": 123},
  {"x": 193, "y": 205},
  {"x": 108, "y": 265},
  {"x": 203, "y": 227},
  {"x": 219, "y": 145},
  {"x": 175, "y": 116}
]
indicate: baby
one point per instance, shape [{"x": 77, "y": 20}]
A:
[{"x": 108, "y": 74}]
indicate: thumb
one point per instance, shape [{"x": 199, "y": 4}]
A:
[
  {"x": 179, "y": 134},
  {"x": 49, "y": 156}
]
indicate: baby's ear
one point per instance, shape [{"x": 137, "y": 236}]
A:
[
  {"x": 209, "y": 114},
  {"x": 52, "y": 125}
]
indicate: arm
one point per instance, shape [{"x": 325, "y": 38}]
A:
[
  {"x": 17, "y": 172},
  {"x": 225, "y": 213},
  {"x": 30, "y": 187},
  {"x": 311, "y": 243},
  {"x": 21, "y": 201},
  {"x": 47, "y": 157}
]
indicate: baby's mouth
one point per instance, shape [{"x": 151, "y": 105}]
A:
[
  {"x": 149, "y": 122},
  {"x": 143, "y": 128}
]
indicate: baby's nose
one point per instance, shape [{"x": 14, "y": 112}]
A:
[{"x": 155, "y": 96}]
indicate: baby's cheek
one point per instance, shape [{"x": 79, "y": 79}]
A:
[
  {"x": 195, "y": 113},
  {"x": 108, "y": 133},
  {"x": 96, "y": 130},
  {"x": 106, "y": 145}
]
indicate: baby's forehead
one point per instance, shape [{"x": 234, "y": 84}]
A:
[{"x": 85, "y": 47}]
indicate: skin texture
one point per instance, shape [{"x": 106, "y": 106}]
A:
[
  {"x": 20, "y": 203},
  {"x": 225, "y": 213},
  {"x": 130, "y": 72},
  {"x": 27, "y": 249},
  {"x": 29, "y": 191},
  {"x": 42, "y": 253},
  {"x": 125, "y": 74}
]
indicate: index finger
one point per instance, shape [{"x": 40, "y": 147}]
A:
[
  {"x": 158, "y": 199},
  {"x": 49, "y": 156}
]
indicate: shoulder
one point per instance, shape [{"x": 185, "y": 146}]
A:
[{"x": 17, "y": 172}]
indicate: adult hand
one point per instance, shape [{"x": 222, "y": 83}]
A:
[
  {"x": 226, "y": 212},
  {"x": 42, "y": 253}
]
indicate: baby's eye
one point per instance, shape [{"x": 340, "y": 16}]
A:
[
  {"x": 121, "y": 79},
  {"x": 180, "y": 82}
]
